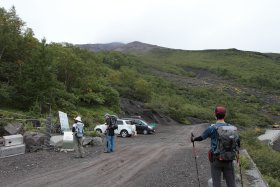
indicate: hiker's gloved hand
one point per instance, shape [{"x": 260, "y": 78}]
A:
[{"x": 199, "y": 138}]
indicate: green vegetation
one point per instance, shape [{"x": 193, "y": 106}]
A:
[
  {"x": 249, "y": 68},
  {"x": 93, "y": 134},
  {"x": 37, "y": 77},
  {"x": 244, "y": 162},
  {"x": 239, "y": 80},
  {"x": 266, "y": 159},
  {"x": 272, "y": 182}
]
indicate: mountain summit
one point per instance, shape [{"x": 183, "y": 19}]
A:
[
  {"x": 101, "y": 47},
  {"x": 133, "y": 47}
]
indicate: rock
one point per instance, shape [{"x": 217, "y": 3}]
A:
[
  {"x": 12, "y": 129},
  {"x": 97, "y": 141},
  {"x": 56, "y": 141},
  {"x": 87, "y": 141},
  {"x": 276, "y": 145},
  {"x": 270, "y": 136},
  {"x": 34, "y": 141}
]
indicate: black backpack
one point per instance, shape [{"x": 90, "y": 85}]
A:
[{"x": 113, "y": 122}]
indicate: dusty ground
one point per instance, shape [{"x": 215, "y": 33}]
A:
[{"x": 162, "y": 159}]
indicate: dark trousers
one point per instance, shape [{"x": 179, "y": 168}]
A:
[{"x": 226, "y": 167}]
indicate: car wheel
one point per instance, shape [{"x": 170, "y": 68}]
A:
[
  {"x": 99, "y": 131},
  {"x": 145, "y": 131},
  {"x": 124, "y": 133}
]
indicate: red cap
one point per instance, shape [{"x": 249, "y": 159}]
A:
[{"x": 220, "y": 110}]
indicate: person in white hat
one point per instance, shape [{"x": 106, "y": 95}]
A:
[{"x": 78, "y": 133}]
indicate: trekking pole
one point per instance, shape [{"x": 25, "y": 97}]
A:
[
  {"x": 194, "y": 154},
  {"x": 239, "y": 164}
]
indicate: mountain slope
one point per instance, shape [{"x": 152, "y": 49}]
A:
[
  {"x": 133, "y": 47},
  {"x": 247, "y": 82},
  {"x": 101, "y": 47}
]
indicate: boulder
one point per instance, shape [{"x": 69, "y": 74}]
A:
[
  {"x": 87, "y": 141},
  {"x": 34, "y": 141},
  {"x": 12, "y": 129},
  {"x": 270, "y": 136},
  {"x": 56, "y": 141},
  {"x": 97, "y": 141}
]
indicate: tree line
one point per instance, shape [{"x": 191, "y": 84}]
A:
[{"x": 35, "y": 75}]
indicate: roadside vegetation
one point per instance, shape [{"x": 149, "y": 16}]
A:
[
  {"x": 37, "y": 77},
  {"x": 266, "y": 159}
]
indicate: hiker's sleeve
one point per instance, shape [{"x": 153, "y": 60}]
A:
[
  {"x": 207, "y": 133},
  {"x": 199, "y": 138}
]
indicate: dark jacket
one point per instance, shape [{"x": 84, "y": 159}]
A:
[{"x": 110, "y": 129}]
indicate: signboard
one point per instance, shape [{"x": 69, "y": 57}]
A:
[{"x": 63, "y": 121}]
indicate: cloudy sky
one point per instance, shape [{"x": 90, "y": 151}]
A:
[{"x": 252, "y": 25}]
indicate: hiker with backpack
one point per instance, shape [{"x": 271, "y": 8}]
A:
[
  {"x": 78, "y": 134},
  {"x": 225, "y": 144},
  {"x": 111, "y": 122}
]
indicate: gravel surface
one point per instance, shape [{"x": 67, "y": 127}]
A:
[{"x": 161, "y": 159}]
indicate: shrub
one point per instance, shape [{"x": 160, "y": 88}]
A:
[
  {"x": 28, "y": 127},
  {"x": 244, "y": 162},
  {"x": 266, "y": 159},
  {"x": 93, "y": 134},
  {"x": 272, "y": 182},
  {"x": 142, "y": 90}
]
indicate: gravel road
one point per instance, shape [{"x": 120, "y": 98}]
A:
[{"x": 162, "y": 159}]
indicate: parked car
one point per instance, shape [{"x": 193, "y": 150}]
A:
[
  {"x": 142, "y": 127},
  {"x": 125, "y": 128},
  {"x": 275, "y": 126}
]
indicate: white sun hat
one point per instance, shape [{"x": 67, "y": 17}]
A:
[{"x": 78, "y": 118}]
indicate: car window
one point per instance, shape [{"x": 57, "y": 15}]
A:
[
  {"x": 128, "y": 122},
  {"x": 133, "y": 122},
  {"x": 119, "y": 122},
  {"x": 144, "y": 123},
  {"x": 138, "y": 122}
]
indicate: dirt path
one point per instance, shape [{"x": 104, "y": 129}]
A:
[{"x": 163, "y": 159}]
